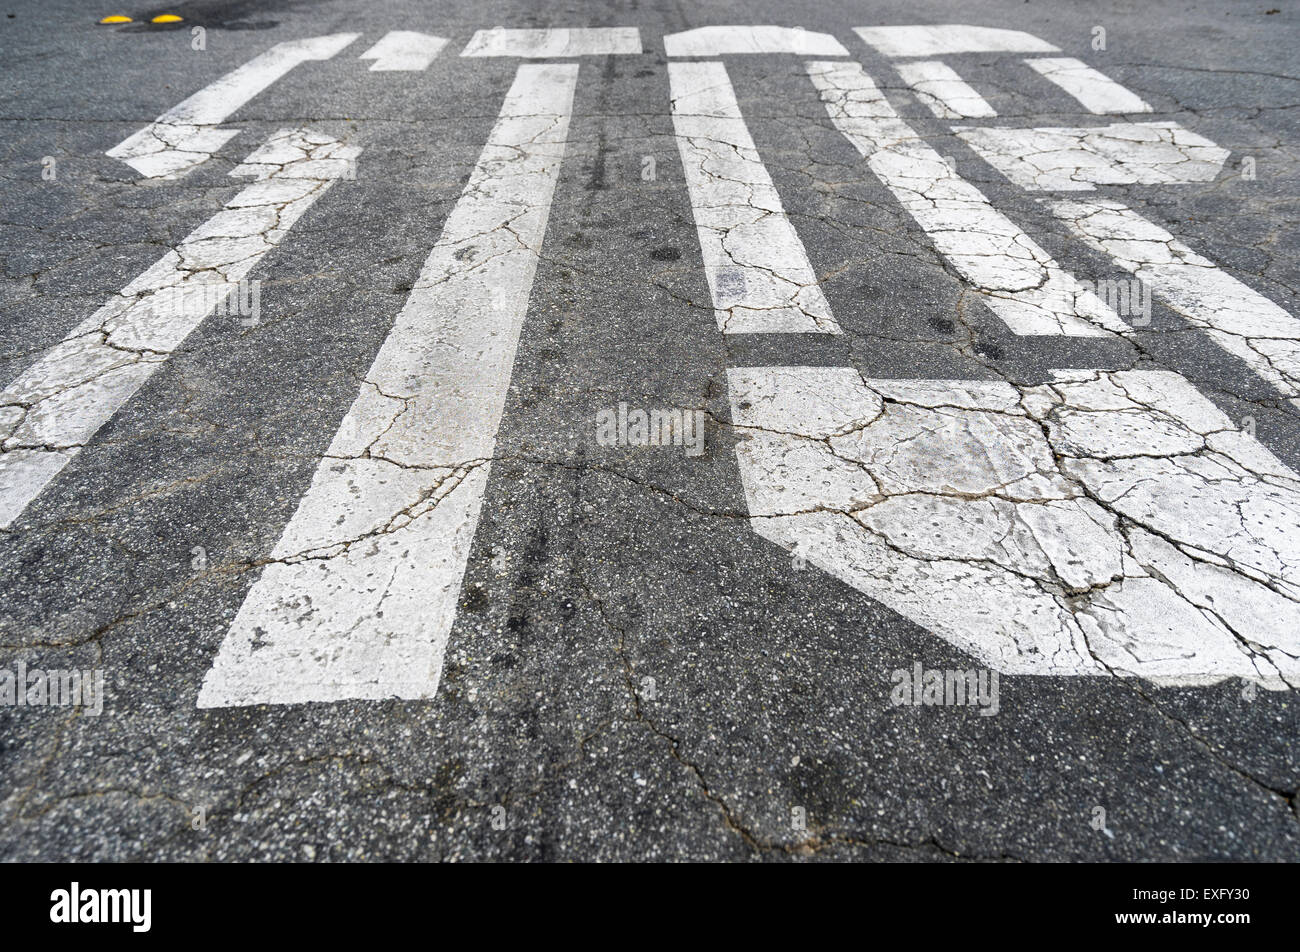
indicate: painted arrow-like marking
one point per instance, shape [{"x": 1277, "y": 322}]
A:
[{"x": 1103, "y": 522}]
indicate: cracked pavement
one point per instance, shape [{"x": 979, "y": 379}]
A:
[{"x": 932, "y": 436}]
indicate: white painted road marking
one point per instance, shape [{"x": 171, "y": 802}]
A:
[
  {"x": 946, "y": 94},
  {"x": 757, "y": 268},
  {"x": 555, "y": 43},
  {"x": 58, "y": 404},
  {"x": 1079, "y": 159},
  {"x": 1096, "y": 92},
  {"x": 950, "y": 38},
  {"x": 727, "y": 40},
  {"x": 1016, "y": 278},
  {"x": 1105, "y": 521},
  {"x": 360, "y": 599},
  {"x": 1237, "y": 318},
  {"x": 186, "y": 135},
  {"x": 404, "y": 50}
]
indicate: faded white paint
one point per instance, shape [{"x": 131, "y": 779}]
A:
[
  {"x": 946, "y": 94},
  {"x": 757, "y": 268},
  {"x": 404, "y": 50},
  {"x": 1079, "y": 159},
  {"x": 728, "y": 40},
  {"x": 1016, "y": 278},
  {"x": 186, "y": 135},
  {"x": 1102, "y": 522},
  {"x": 950, "y": 38},
  {"x": 360, "y": 597},
  {"x": 54, "y": 408},
  {"x": 555, "y": 43},
  {"x": 1095, "y": 91},
  {"x": 1236, "y": 317}
]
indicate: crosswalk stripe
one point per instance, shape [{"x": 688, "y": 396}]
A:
[
  {"x": 1095, "y": 91},
  {"x": 1016, "y": 278},
  {"x": 1062, "y": 158},
  {"x": 757, "y": 268},
  {"x": 1239, "y": 319},
  {"x": 945, "y": 93},
  {"x": 186, "y": 135},
  {"x": 923, "y": 40},
  {"x": 555, "y": 43},
  {"x": 54, "y": 408},
  {"x": 1104, "y": 521},
  {"x": 404, "y": 50},
  {"x": 360, "y": 595},
  {"x": 728, "y": 40}
]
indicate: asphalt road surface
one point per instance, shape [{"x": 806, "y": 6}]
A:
[{"x": 650, "y": 430}]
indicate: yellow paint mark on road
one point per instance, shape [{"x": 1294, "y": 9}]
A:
[
  {"x": 166, "y": 18},
  {"x": 116, "y": 18}
]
